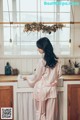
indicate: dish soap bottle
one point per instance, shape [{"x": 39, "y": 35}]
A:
[{"x": 7, "y": 69}]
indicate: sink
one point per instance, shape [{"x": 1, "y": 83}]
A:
[{"x": 21, "y": 82}]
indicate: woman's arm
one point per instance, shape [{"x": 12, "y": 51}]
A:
[
  {"x": 38, "y": 74},
  {"x": 55, "y": 75},
  {"x": 59, "y": 71}
]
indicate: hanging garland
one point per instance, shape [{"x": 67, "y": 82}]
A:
[{"x": 41, "y": 27}]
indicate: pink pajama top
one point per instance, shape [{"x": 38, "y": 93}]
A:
[{"x": 44, "y": 81}]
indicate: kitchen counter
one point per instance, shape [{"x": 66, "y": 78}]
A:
[
  {"x": 5, "y": 78},
  {"x": 70, "y": 77},
  {"x": 13, "y": 78}
]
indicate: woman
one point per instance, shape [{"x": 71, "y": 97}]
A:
[{"x": 45, "y": 80}]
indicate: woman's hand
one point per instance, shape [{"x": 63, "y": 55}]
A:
[
  {"x": 24, "y": 78},
  {"x": 54, "y": 83}
]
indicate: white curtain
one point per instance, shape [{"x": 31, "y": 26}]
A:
[
  {"x": 60, "y": 106},
  {"x": 25, "y": 106}
]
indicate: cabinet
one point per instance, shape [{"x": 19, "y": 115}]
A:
[
  {"x": 6, "y": 97},
  {"x": 73, "y": 102}
]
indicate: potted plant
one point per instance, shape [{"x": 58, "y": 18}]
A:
[{"x": 76, "y": 67}]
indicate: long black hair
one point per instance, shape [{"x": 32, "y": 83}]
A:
[{"x": 49, "y": 56}]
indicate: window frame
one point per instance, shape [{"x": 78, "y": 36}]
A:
[{"x": 27, "y": 55}]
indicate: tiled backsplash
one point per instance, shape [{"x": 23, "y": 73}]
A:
[{"x": 26, "y": 65}]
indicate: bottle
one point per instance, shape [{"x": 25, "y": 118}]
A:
[{"x": 7, "y": 69}]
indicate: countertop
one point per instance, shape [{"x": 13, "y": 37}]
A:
[
  {"x": 5, "y": 78},
  {"x": 12, "y": 78},
  {"x": 70, "y": 77}
]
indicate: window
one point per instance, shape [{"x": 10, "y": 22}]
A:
[{"x": 33, "y": 11}]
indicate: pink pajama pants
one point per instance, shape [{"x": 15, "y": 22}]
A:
[{"x": 46, "y": 110}]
